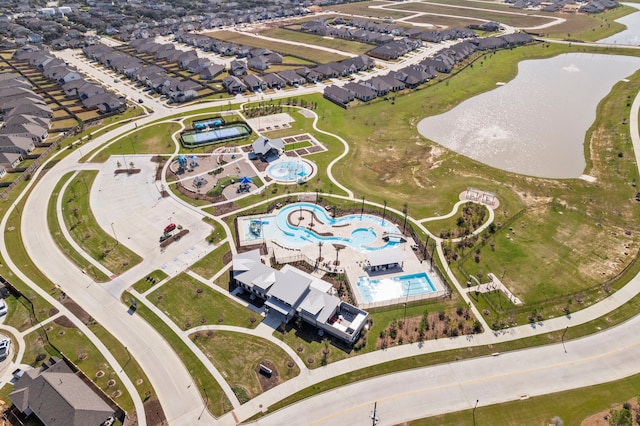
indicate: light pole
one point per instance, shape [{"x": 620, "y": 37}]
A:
[
  {"x": 362, "y": 208},
  {"x": 562, "y": 339},
  {"x": 473, "y": 412},
  {"x": 384, "y": 211},
  {"x": 114, "y": 233}
]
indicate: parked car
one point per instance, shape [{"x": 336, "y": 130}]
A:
[
  {"x": 170, "y": 227},
  {"x": 5, "y": 346},
  {"x": 140, "y": 101},
  {"x": 3, "y": 307}
]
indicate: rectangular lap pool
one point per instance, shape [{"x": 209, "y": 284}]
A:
[{"x": 398, "y": 287}]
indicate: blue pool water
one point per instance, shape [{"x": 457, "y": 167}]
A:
[
  {"x": 362, "y": 238},
  {"x": 289, "y": 171},
  {"x": 376, "y": 290}
]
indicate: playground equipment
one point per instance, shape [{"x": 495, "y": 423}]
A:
[
  {"x": 255, "y": 227},
  {"x": 182, "y": 162},
  {"x": 194, "y": 161},
  {"x": 199, "y": 181}
]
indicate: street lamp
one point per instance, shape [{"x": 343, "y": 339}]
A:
[
  {"x": 473, "y": 412},
  {"x": 362, "y": 208},
  {"x": 114, "y": 233},
  {"x": 384, "y": 211}
]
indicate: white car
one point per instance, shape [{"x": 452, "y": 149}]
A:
[
  {"x": 3, "y": 307},
  {"x": 5, "y": 345}
]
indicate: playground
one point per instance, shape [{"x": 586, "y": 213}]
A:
[{"x": 201, "y": 174}]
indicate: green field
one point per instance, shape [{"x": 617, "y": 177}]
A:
[
  {"x": 314, "y": 55},
  {"x": 312, "y": 39},
  {"x": 190, "y": 303},
  {"x": 237, "y": 357}
]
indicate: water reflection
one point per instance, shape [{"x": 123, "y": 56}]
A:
[
  {"x": 536, "y": 124},
  {"x": 632, "y": 34}
]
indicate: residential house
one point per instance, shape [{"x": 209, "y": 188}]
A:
[
  {"x": 360, "y": 91},
  {"x": 238, "y": 68},
  {"x": 338, "y": 95},
  {"x": 274, "y": 81},
  {"x": 292, "y": 78},
  {"x": 198, "y": 65},
  {"x": 105, "y": 103},
  {"x": 254, "y": 83},
  {"x": 291, "y": 293},
  {"x": 16, "y": 144},
  {"x": 35, "y": 132},
  {"x": 212, "y": 71},
  {"x": 55, "y": 395},
  {"x": 233, "y": 85},
  {"x": 8, "y": 161},
  {"x": 258, "y": 63},
  {"x": 379, "y": 85}
]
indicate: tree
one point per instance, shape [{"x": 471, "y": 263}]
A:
[{"x": 620, "y": 418}]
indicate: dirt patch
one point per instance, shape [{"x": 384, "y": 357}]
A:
[
  {"x": 260, "y": 165},
  {"x": 154, "y": 413},
  {"x": 80, "y": 313},
  {"x": 267, "y": 383},
  {"x": 63, "y": 321},
  {"x": 226, "y": 258},
  {"x": 226, "y": 208}
]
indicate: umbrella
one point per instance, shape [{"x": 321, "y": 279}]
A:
[{"x": 245, "y": 179}]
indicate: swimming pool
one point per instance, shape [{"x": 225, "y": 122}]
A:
[
  {"x": 399, "y": 287},
  {"x": 289, "y": 171},
  {"x": 362, "y": 238}
]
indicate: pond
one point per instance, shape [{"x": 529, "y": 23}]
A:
[
  {"x": 632, "y": 34},
  {"x": 535, "y": 124}
]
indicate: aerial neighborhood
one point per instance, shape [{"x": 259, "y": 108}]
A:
[{"x": 319, "y": 212}]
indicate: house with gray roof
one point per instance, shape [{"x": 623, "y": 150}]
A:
[
  {"x": 55, "y": 395},
  {"x": 291, "y": 293},
  {"x": 338, "y": 95},
  {"x": 254, "y": 83},
  {"x": 233, "y": 85},
  {"x": 212, "y": 71},
  {"x": 16, "y": 144},
  {"x": 274, "y": 81},
  {"x": 360, "y": 91}
]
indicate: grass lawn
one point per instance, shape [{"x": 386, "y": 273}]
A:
[
  {"x": 209, "y": 265},
  {"x": 79, "y": 349},
  {"x": 61, "y": 241},
  {"x": 151, "y": 139},
  {"x": 364, "y": 8},
  {"x": 312, "y": 39},
  {"x": 238, "y": 355},
  {"x": 571, "y": 406},
  {"x": 181, "y": 300},
  {"x": 309, "y": 53},
  {"x": 84, "y": 229},
  {"x": 144, "y": 284},
  {"x": 589, "y": 27},
  {"x": 520, "y": 20},
  {"x": 217, "y": 402}
]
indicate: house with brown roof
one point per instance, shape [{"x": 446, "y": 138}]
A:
[{"x": 56, "y": 396}]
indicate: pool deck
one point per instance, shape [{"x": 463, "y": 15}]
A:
[{"x": 352, "y": 261}]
